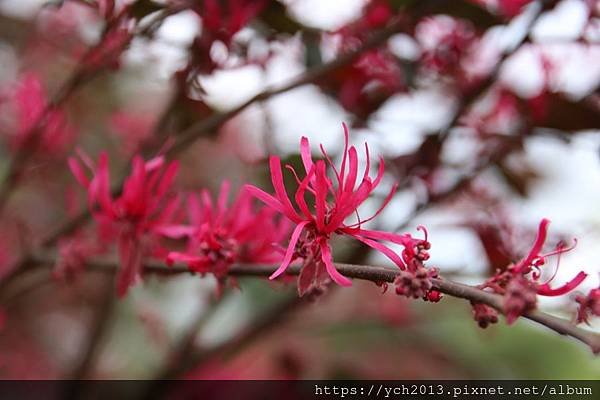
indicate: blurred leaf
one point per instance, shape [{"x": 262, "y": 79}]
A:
[
  {"x": 566, "y": 115},
  {"x": 313, "y": 49},
  {"x": 425, "y": 158},
  {"x": 519, "y": 179},
  {"x": 275, "y": 16},
  {"x": 401, "y": 4},
  {"x": 479, "y": 16},
  {"x": 143, "y": 8}
]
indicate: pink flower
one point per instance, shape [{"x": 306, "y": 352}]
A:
[
  {"x": 334, "y": 201},
  {"x": 375, "y": 75},
  {"x": 372, "y": 78},
  {"x": 219, "y": 235},
  {"x": 519, "y": 282},
  {"x": 588, "y": 304},
  {"x": 39, "y": 126},
  {"x": 221, "y": 20},
  {"x": 73, "y": 252},
  {"x": 512, "y": 8},
  {"x": 484, "y": 315},
  {"x": 136, "y": 215},
  {"x": 445, "y": 42},
  {"x": 106, "y": 54}
]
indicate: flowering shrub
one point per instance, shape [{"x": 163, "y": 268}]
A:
[
  {"x": 137, "y": 215},
  {"x": 310, "y": 239},
  {"x": 519, "y": 282},
  {"x": 220, "y": 235},
  {"x": 431, "y": 85},
  {"x": 38, "y": 124}
]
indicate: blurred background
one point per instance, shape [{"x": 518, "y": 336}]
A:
[{"x": 487, "y": 114}]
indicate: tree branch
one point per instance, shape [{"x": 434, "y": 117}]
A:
[{"x": 370, "y": 273}]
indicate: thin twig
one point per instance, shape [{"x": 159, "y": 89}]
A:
[{"x": 371, "y": 273}]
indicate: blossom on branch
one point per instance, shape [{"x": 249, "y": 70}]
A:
[
  {"x": 221, "y": 21},
  {"x": 588, "y": 305},
  {"x": 134, "y": 217},
  {"x": 219, "y": 235},
  {"x": 445, "y": 43},
  {"x": 484, "y": 314},
  {"x": 38, "y": 124},
  {"x": 519, "y": 283},
  {"x": 332, "y": 202},
  {"x": 376, "y": 74}
]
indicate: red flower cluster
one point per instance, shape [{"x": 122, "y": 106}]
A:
[
  {"x": 38, "y": 124},
  {"x": 137, "y": 215},
  {"x": 334, "y": 201},
  {"x": 445, "y": 42},
  {"x": 106, "y": 54},
  {"x": 588, "y": 305},
  {"x": 519, "y": 282},
  {"x": 221, "y": 20},
  {"x": 376, "y": 74},
  {"x": 218, "y": 236}
]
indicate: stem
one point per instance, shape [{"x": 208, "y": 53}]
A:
[
  {"x": 85, "y": 364},
  {"x": 374, "y": 274}
]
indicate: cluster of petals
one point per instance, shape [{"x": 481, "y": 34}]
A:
[
  {"x": 221, "y": 20},
  {"x": 375, "y": 74},
  {"x": 143, "y": 207},
  {"x": 519, "y": 283},
  {"x": 38, "y": 125},
  {"x": 445, "y": 42},
  {"x": 332, "y": 202},
  {"x": 219, "y": 234},
  {"x": 589, "y": 305}
]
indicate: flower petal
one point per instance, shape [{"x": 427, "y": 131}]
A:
[
  {"x": 389, "y": 253},
  {"x": 287, "y": 259},
  {"x": 78, "y": 173},
  {"x": 320, "y": 194},
  {"x": 546, "y": 290},
  {"x": 270, "y": 201},
  {"x": 282, "y": 196},
  {"x": 331, "y": 270},
  {"x": 305, "y": 154},
  {"x": 537, "y": 246}
]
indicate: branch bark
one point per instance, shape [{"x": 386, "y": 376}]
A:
[{"x": 370, "y": 273}]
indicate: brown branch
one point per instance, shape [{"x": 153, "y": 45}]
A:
[
  {"x": 97, "y": 330},
  {"x": 374, "y": 274},
  {"x": 183, "y": 351}
]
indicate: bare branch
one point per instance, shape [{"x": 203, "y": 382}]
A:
[{"x": 374, "y": 274}]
